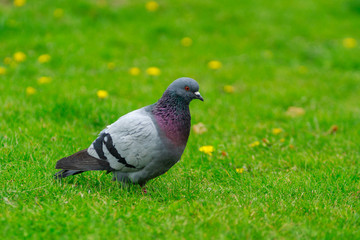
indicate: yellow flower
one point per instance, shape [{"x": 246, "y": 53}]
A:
[
  {"x": 349, "y": 42},
  {"x": 295, "y": 111},
  {"x": 30, "y": 91},
  {"x": 276, "y": 131},
  {"x": 199, "y": 128},
  {"x": 214, "y": 64},
  {"x": 207, "y": 149},
  {"x": 19, "y": 56},
  {"x": 58, "y": 13},
  {"x": 44, "y": 58},
  {"x": 282, "y": 140},
  {"x": 240, "y": 170},
  {"x": 7, "y": 60},
  {"x": 44, "y": 80},
  {"x": 152, "y": 6},
  {"x": 186, "y": 42},
  {"x": 254, "y": 144},
  {"x": 134, "y": 71},
  {"x": 19, "y": 3},
  {"x": 229, "y": 89},
  {"x": 111, "y": 65},
  {"x": 102, "y": 94},
  {"x": 153, "y": 71},
  {"x": 2, "y": 71}
]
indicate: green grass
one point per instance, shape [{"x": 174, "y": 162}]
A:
[{"x": 276, "y": 54}]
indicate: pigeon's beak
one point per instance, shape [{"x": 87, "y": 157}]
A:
[{"x": 198, "y": 96}]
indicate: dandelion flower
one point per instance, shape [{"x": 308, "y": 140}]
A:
[
  {"x": 30, "y": 91},
  {"x": 229, "y": 89},
  {"x": 7, "y": 60},
  {"x": 199, "y": 128},
  {"x": 152, "y": 6},
  {"x": 349, "y": 42},
  {"x": 214, "y": 65},
  {"x": 2, "y": 71},
  {"x": 44, "y": 80},
  {"x": 239, "y": 170},
  {"x": 153, "y": 71},
  {"x": 19, "y": 3},
  {"x": 254, "y": 144},
  {"x": 134, "y": 71},
  {"x": 186, "y": 42},
  {"x": 102, "y": 94},
  {"x": 282, "y": 140},
  {"x": 276, "y": 131},
  {"x": 19, "y": 56},
  {"x": 207, "y": 149},
  {"x": 58, "y": 13},
  {"x": 44, "y": 58},
  {"x": 111, "y": 65}
]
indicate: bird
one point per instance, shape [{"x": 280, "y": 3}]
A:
[{"x": 143, "y": 144}]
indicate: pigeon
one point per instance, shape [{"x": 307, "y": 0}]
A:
[{"x": 142, "y": 144}]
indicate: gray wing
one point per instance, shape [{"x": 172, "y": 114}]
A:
[{"x": 130, "y": 143}]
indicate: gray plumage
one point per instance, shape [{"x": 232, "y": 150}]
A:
[{"x": 142, "y": 144}]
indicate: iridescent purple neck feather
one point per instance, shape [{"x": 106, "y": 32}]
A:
[{"x": 173, "y": 117}]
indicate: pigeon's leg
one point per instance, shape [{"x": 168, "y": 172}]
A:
[{"x": 143, "y": 188}]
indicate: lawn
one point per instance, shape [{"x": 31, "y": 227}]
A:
[{"x": 281, "y": 82}]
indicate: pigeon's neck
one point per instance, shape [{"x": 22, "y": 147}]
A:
[{"x": 173, "y": 117}]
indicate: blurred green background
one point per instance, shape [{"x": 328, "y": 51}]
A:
[{"x": 281, "y": 83}]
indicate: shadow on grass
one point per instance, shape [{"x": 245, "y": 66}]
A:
[
  {"x": 158, "y": 189},
  {"x": 101, "y": 183}
]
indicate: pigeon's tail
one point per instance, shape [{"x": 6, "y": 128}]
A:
[
  {"x": 65, "y": 173},
  {"x": 80, "y": 162}
]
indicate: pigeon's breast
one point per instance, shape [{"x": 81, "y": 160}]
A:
[{"x": 176, "y": 128}]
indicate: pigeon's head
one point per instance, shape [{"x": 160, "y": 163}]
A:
[{"x": 186, "y": 89}]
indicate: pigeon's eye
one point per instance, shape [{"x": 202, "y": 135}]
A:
[{"x": 187, "y": 88}]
